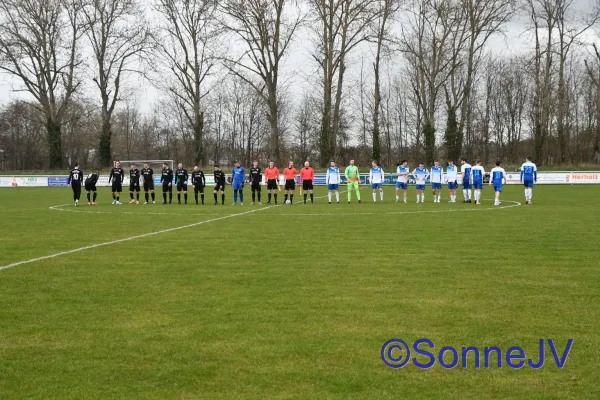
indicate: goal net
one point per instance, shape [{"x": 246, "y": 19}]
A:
[{"x": 156, "y": 166}]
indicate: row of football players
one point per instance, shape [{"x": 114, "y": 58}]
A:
[{"x": 472, "y": 178}]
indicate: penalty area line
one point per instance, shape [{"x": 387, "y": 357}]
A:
[{"x": 93, "y": 246}]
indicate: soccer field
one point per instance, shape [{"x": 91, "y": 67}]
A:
[{"x": 258, "y": 302}]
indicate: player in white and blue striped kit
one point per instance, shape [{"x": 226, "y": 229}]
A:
[
  {"x": 376, "y": 177},
  {"x": 465, "y": 170},
  {"x": 497, "y": 178},
  {"x": 402, "y": 182},
  {"x": 451, "y": 178},
  {"x": 477, "y": 174},
  {"x": 421, "y": 175},
  {"x": 528, "y": 178},
  {"x": 437, "y": 177}
]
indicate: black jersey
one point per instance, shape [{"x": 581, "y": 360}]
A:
[
  {"x": 148, "y": 174},
  {"x": 91, "y": 179},
  {"x": 76, "y": 176},
  {"x": 220, "y": 177},
  {"x": 198, "y": 178},
  {"x": 117, "y": 175},
  {"x": 181, "y": 176},
  {"x": 167, "y": 175},
  {"x": 255, "y": 175},
  {"x": 134, "y": 176}
]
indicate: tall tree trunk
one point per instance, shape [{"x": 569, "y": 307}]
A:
[
  {"x": 105, "y": 144},
  {"x": 198, "y": 138},
  {"x": 429, "y": 139},
  {"x": 55, "y": 154},
  {"x": 453, "y": 143}
]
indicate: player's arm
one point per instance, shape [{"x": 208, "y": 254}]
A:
[
  {"x": 535, "y": 173},
  {"x": 70, "y": 178},
  {"x": 122, "y": 176},
  {"x": 203, "y": 178}
]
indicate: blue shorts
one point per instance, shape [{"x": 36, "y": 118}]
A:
[
  {"x": 466, "y": 186},
  {"x": 478, "y": 185},
  {"x": 436, "y": 185},
  {"x": 497, "y": 188},
  {"x": 452, "y": 185},
  {"x": 376, "y": 185},
  {"x": 238, "y": 186},
  {"x": 332, "y": 186},
  {"x": 528, "y": 184},
  {"x": 420, "y": 187},
  {"x": 401, "y": 185}
]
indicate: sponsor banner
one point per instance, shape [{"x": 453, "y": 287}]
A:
[
  {"x": 7, "y": 181},
  {"x": 32, "y": 181},
  {"x": 583, "y": 177},
  {"x": 57, "y": 180}
]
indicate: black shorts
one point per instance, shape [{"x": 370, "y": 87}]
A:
[
  {"x": 272, "y": 184},
  {"x": 148, "y": 186},
  {"x": 134, "y": 187},
  {"x": 117, "y": 187},
  {"x": 182, "y": 187},
  {"x": 290, "y": 184},
  {"x": 307, "y": 184},
  {"x": 166, "y": 187},
  {"x": 198, "y": 189},
  {"x": 76, "y": 187},
  {"x": 90, "y": 188},
  {"x": 219, "y": 186},
  {"x": 256, "y": 186}
]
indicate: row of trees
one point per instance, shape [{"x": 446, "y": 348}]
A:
[{"x": 388, "y": 79}]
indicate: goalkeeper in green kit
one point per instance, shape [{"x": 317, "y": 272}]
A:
[{"x": 353, "y": 179}]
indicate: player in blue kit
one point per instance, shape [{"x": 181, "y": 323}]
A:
[
  {"x": 451, "y": 178},
  {"x": 376, "y": 177},
  {"x": 437, "y": 177},
  {"x": 402, "y": 182},
  {"x": 477, "y": 174},
  {"x": 421, "y": 175},
  {"x": 465, "y": 170},
  {"x": 238, "y": 177},
  {"x": 528, "y": 178},
  {"x": 497, "y": 178}
]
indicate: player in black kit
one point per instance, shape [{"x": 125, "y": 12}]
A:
[
  {"x": 220, "y": 182},
  {"x": 134, "y": 184},
  {"x": 148, "y": 175},
  {"x": 76, "y": 179},
  {"x": 117, "y": 175},
  {"x": 90, "y": 186},
  {"x": 167, "y": 183},
  {"x": 181, "y": 178},
  {"x": 198, "y": 181},
  {"x": 255, "y": 180}
]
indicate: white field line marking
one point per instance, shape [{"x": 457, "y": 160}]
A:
[
  {"x": 93, "y": 246},
  {"x": 515, "y": 204}
]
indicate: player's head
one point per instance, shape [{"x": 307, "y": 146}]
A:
[
  {"x": 478, "y": 162},
  {"x": 180, "y": 166},
  {"x": 374, "y": 163},
  {"x": 196, "y": 168},
  {"x": 165, "y": 165},
  {"x": 146, "y": 165},
  {"x": 332, "y": 163},
  {"x": 463, "y": 160},
  {"x": 351, "y": 162},
  {"x": 132, "y": 166},
  {"x": 421, "y": 165},
  {"x": 497, "y": 163},
  {"x": 216, "y": 167},
  {"x": 436, "y": 163},
  {"x": 237, "y": 164},
  {"x": 271, "y": 164},
  {"x": 306, "y": 164},
  {"x": 528, "y": 159},
  {"x": 450, "y": 162},
  {"x": 255, "y": 163},
  {"x": 118, "y": 164},
  {"x": 403, "y": 163},
  {"x": 290, "y": 164},
  {"x": 76, "y": 165}
]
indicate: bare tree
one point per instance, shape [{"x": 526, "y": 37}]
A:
[
  {"x": 117, "y": 33},
  {"x": 340, "y": 26},
  {"x": 266, "y": 29},
  {"x": 188, "y": 40},
  {"x": 388, "y": 9},
  {"x": 39, "y": 45},
  {"x": 593, "y": 70}
]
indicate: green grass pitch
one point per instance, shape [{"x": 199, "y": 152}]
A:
[{"x": 295, "y": 302}]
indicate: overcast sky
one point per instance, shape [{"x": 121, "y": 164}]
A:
[{"x": 300, "y": 71}]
